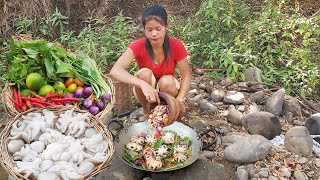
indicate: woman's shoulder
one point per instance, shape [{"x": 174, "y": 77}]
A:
[{"x": 138, "y": 42}]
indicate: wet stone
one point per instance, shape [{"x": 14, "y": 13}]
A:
[
  {"x": 118, "y": 170},
  {"x": 201, "y": 169}
]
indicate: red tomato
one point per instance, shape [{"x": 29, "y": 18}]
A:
[
  {"x": 157, "y": 135},
  {"x": 78, "y": 82},
  {"x": 69, "y": 81}
]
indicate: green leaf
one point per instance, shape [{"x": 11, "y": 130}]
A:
[
  {"x": 158, "y": 144},
  {"x": 31, "y": 53},
  {"x": 49, "y": 67},
  {"x": 64, "y": 68},
  {"x": 11, "y": 55}
]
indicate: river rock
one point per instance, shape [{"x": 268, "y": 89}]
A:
[
  {"x": 253, "y": 74},
  {"x": 234, "y": 117},
  {"x": 291, "y": 105},
  {"x": 234, "y": 97},
  {"x": 313, "y": 125},
  {"x": 217, "y": 95},
  {"x": 192, "y": 93},
  {"x": 275, "y": 102},
  {"x": 207, "y": 107},
  {"x": 257, "y": 97},
  {"x": 263, "y": 123},
  {"x": 119, "y": 170},
  {"x": 199, "y": 71},
  {"x": 298, "y": 141},
  {"x": 254, "y": 108},
  {"x": 226, "y": 81},
  {"x": 201, "y": 169},
  {"x": 242, "y": 174},
  {"x": 300, "y": 175},
  {"x": 248, "y": 149},
  {"x": 198, "y": 124}
]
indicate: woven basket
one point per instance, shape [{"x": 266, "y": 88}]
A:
[
  {"x": 123, "y": 95},
  {"x": 7, "y": 159},
  {"x": 12, "y": 112}
]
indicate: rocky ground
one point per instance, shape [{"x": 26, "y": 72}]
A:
[{"x": 261, "y": 133}]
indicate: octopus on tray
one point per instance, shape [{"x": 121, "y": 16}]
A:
[
  {"x": 180, "y": 157},
  {"x": 180, "y": 149},
  {"x": 168, "y": 138},
  {"x": 150, "y": 139},
  {"x": 137, "y": 139},
  {"x": 154, "y": 164},
  {"x": 134, "y": 146},
  {"x": 162, "y": 150}
]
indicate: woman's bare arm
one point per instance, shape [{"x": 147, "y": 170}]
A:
[
  {"x": 120, "y": 73},
  {"x": 184, "y": 68}
]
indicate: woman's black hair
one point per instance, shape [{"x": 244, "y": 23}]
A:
[{"x": 159, "y": 14}]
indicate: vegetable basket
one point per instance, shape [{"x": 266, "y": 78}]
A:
[
  {"x": 7, "y": 158},
  {"x": 11, "y": 111}
]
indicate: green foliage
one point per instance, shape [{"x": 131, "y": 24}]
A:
[
  {"x": 283, "y": 46},
  {"x": 103, "y": 41},
  {"x": 4, "y": 49},
  {"x": 210, "y": 38},
  {"x": 36, "y": 56},
  {"x": 232, "y": 36}
]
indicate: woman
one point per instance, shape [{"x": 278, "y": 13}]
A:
[{"x": 157, "y": 56}]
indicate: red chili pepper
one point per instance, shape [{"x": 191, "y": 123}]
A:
[
  {"x": 24, "y": 107},
  {"x": 57, "y": 95},
  {"x": 15, "y": 94},
  {"x": 57, "y": 103},
  {"x": 36, "y": 96},
  {"x": 19, "y": 97},
  {"x": 31, "y": 99},
  {"x": 65, "y": 100},
  {"x": 49, "y": 93},
  {"x": 46, "y": 103},
  {"x": 28, "y": 103},
  {"x": 18, "y": 106},
  {"x": 35, "y": 104}
]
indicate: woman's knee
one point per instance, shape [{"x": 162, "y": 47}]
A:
[
  {"x": 145, "y": 75},
  {"x": 167, "y": 83}
]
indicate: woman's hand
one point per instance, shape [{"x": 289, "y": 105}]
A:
[
  {"x": 182, "y": 105},
  {"x": 151, "y": 93}
]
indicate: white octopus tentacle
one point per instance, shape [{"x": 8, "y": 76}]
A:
[
  {"x": 149, "y": 152},
  {"x": 179, "y": 157},
  {"x": 154, "y": 164},
  {"x": 134, "y": 146},
  {"x": 168, "y": 138},
  {"x": 150, "y": 139},
  {"x": 162, "y": 150},
  {"x": 136, "y": 139},
  {"x": 180, "y": 149}
]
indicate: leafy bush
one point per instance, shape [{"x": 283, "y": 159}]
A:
[
  {"x": 231, "y": 36},
  {"x": 102, "y": 40}
]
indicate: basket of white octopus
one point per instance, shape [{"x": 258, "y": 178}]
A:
[{"x": 55, "y": 143}]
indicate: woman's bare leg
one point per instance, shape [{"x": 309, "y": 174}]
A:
[
  {"x": 147, "y": 76},
  {"x": 170, "y": 84}
]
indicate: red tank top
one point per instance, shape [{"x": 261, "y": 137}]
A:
[{"x": 178, "y": 52}]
